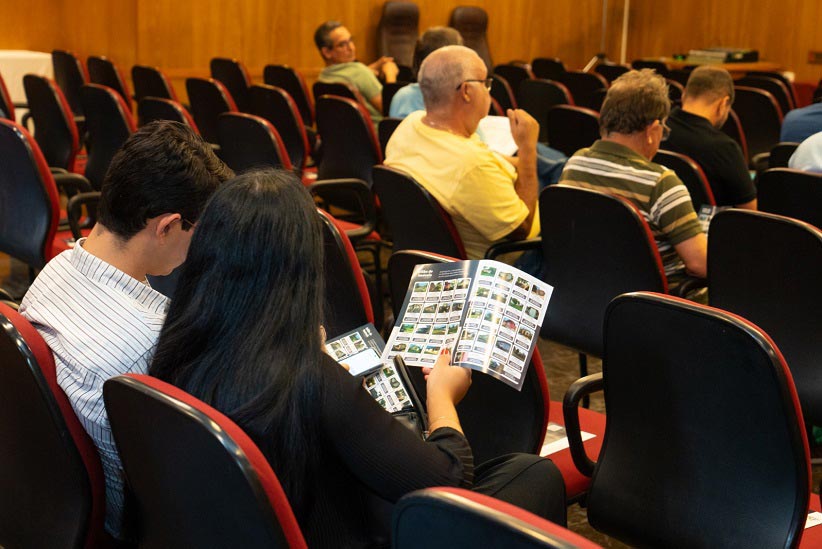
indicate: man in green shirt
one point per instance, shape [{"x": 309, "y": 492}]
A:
[
  {"x": 339, "y": 53},
  {"x": 632, "y": 125}
]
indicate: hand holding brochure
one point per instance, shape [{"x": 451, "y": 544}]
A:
[{"x": 487, "y": 313}]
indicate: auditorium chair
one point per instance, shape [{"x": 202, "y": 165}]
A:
[
  {"x": 51, "y": 479},
  {"x": 150, "y": 109},
  {"x": 571, "y": 128},
  {"x": 781, "y": 153},
  {"x": 54, "y": 126},
  {"x": 675, "y": 92},
  {"x": 70, "y": 74},
  {"x": 6, "y": 104},
  {"x": 208, "y": 99},
  {"x": 390, "y": 89},
  {"x": 611, "y": 71},
  {"x": 502, "y": 93},
  {"x": 679, "y": 75},
  {"x": 587, "y": 89},
  {"x": 151, "y": 82},
  {"x": 772, "y": 85},
  {"x": 472, "y": 24},
  {"x": 761, "y": 119},
  {"x": 690, "y": 173},
  {"x": 278, "y": 107},
  {"x": 522, "y": 428},
  {"x": 30, "y": 209},
  {"x": 733, "y": 129},
  {"x": 227, "y": 497},
  {"x": 249, "y": 142},
  {"x": 285, "y": 77},
  {"x": 103, "y": 71},
  {"x": 339, "y": 89},
  {"x": 792, "y": 193},
  {"x": 385, "y": 129},
  {"x": 661, "y": 68},
  {"x": 782, "y": 78},
  {"x": 537, "y": 97},
  {"x": 109, "y": 124},
  {"x": 350, "y": 146},
  {"x": 704, "y": 443},
  {"x": 514, "y": 73},
  {"x": 547, "y": 67},
  {"x": 455, "y": 518},
  {"x": 234, "y": 76},
  {"x": 397, "y": 31}
]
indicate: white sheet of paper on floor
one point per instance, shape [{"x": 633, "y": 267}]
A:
[
  {"x": 814, "y": 519},
  {"x": 556, "y": 439}
]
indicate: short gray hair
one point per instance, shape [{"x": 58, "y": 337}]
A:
[
  {"x": 441, "y": 73},
  {"x": 711, "y": 83},
  {"x": 633, "y": 101}
]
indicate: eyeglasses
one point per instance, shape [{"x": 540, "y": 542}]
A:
[
  {"x": 344, "y": 44},
  {"x": 184, "y": 222},
  {"x": 484, "y": 81},
  {"x": 666, "y": 131}
]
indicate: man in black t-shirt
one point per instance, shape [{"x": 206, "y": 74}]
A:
[{"x": 695, "y": 132}]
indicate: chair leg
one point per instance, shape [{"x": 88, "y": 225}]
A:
[{"x": 583, "y": 371}]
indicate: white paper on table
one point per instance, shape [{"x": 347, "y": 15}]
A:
[
  {"x": 496, "y": 133},
  {"x": 814, "y": 519},
  {"x": 556, "y": 439}
]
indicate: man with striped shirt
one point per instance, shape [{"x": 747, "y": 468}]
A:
[
  {"x": 632, "y": 125},
  {"x": 93, "y": 305}
]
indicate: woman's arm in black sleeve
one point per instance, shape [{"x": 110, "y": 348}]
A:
[{"x": 383, "y": 453}]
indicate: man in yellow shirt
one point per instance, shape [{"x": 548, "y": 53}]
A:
[{"x": 489, "y": 196}]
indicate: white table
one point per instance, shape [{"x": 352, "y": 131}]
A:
[{"x": 14, "y": 64}]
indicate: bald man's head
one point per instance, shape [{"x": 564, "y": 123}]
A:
[{"x": 444, "y": 70}]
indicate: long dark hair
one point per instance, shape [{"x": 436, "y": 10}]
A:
[{"x": 242, "y": 333}]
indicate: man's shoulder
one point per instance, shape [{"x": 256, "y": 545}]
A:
[{"x": 344, "y": 69}]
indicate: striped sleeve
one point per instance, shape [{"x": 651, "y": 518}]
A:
[{"x": 672, "y": 211}]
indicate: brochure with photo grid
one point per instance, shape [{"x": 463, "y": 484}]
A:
[{"x": 487, "y": 313}]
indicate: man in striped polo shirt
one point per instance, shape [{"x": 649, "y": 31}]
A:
[
  {"x": 93, "y": 304},
  {"x": 632, "y": 125}
]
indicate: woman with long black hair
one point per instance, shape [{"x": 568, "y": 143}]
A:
[{"x": 243, "y": 335}]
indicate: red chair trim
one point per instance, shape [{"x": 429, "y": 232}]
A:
[
  {"x": 4, "y": 92},
  {"x": 68, "y": 116},
  {"x": 232, "y": 106}
]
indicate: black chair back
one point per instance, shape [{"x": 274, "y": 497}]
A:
[
  {"x": 537, "y": 97},
  {"x": 109, "y": 124},
  {"x": 660, "y": 67},
  {"x": 389, "y": 90},
  {"x": 571, "y": 128},
  {"x": 586, "y": 88},
  {"x": 675, "y": 92},
  {"x": 679, "y": 75},
  {"x": 472, "y": 24},
  {"x": 761, "y": 119},
  {"x": 151, "y": 82},
  {"x": 234, "y": 76},
  {"x": 547, "y": 67},
  {"x": 350, "y": 146},
  {"x": 792, "y": 193},
  {"x": 691, "y": 175},
  {"x": 611, "y": 71},
  {"x": 249, "y": 142},
  {"x": 150, "y": 109},
  {"x": 514, "y": 74},
  {"x": 208, "y": 99},
  {"x": 766, "y": 268},
  {"x": 340, "y": 89},
  {"x": 54, "y": 125},
  {"x": 385, "y": 129},
  {"x": 283, "y": 76},
  {"x": 278, "y": 107},
  {"x": 416, "y": 219},
  {"x": 347, "y": 302},
  {"x": 595, "y": 247},
  {"x": 398, "y": 30},
  {"x": 782, "y": 78},
  {"x": 781, "y": 154},
  {"x": 70, "y": 75},
  {"x": 103, "y": 71},
  {"x": 692, "y": 393},
  {"x": 29, "y": 211},
  {"x": 502, "y": 93},
  {"x": 183, "y": 502},
  {"x": 772, "y": 85}
]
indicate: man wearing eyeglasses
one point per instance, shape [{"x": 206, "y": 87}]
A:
[
  {"x": 489, "y": 196},
  {"x": 337, "y": 48},
  {"x": 93, "y": 304}
]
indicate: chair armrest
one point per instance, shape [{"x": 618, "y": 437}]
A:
[
  {"x": 760, "y": 161},
  {"x": 72, "y": 183},
  {"x": 688, "y": 285},
  {"x": 55, "y": 170},
  {"x": 506, "y": 247},
  {"x": 570, "y": 410},
  {"x": 74, "y": 210},
  {"x": 331, "y": 190}
]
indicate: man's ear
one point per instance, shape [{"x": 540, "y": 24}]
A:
[
  {"x": 165, "y": 222},
  {"x": 325, "y": 52}
]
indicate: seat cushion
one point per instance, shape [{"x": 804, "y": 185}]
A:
[
  {"x": 63, "y": 241},
  {"x": 576, "y": 483},
  {"x": 349, "y": 226}
]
